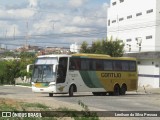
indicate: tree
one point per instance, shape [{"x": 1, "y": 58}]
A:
[
  {"x": 84, "y": 47},
  {"x": 114, "y": 48},
  {"x": 9, "y": 70},
  {"x": 96, "y": 47}
]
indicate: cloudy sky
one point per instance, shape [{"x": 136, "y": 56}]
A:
[{"x": 52, "y": 22}]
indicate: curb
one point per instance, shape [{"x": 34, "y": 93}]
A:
[{"x": 18, "y": 86}]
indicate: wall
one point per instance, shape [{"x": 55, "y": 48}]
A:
[
  {"x": 158, "y": 25},
  {"x": 149, "y": 74},
  {"x": 136, "y": 27}
]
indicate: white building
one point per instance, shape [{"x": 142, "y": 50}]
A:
[
  {"x": 74, "y": 48},
  {"x": 137, "y": 23}
]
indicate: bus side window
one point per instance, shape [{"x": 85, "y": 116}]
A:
[
  {"x": 108, "y": 65},
  {"x": 117, "y": 65},
  {"x": 92, "y": 64},
  {"x": 85, "y": 64},
  {"x": 99, "y": 65},
  {"x": 74, "y": 64},
  {"x": 125, "y": 65},
  {"x": 132, "y": 65}
]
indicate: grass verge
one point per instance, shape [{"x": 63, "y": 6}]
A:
[{"x": 16, "y": 106}]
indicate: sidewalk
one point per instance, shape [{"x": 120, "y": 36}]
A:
[
  {"x": 148, "y": 90},
  {"x": 19, "y": 86}
]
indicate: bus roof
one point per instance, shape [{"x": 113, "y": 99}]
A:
[
  {"x": 54, "y": 55},
  {"x": 86, "y": 55},
  {"x": 102, "y": 56},
  {"x": 91, "y": 55}
]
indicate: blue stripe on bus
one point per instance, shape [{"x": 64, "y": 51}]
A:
[{"x": 147, "y": 75}]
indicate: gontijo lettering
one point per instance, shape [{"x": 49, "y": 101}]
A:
[{"x": 111, "y": 75}]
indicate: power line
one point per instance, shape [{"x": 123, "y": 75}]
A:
[{"x": 87, "y": 33}]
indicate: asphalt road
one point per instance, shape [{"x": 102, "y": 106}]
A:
[
  {"x": 129, "y": 102},
  {"x": 132, "y": 101}
]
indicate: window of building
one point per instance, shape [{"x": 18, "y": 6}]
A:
[
  {"x": 114, "y": 3},
  {"x": 121, "y": 1},
  {"x": 139, "y": 14},
  {"x": 121, "y": 19},
  {"x": 149, "y": 11},
  {"x": 108, "y": 22},
  {"x": 138, "y": 62},
  {"x": 113, "y": 21},
  {"x": 129, "y": 17},
  {"x": 149, "y": 37},
  {"x": 128, "y": 40}
]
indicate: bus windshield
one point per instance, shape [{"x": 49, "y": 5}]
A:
[{"x": 43, "y": 73}]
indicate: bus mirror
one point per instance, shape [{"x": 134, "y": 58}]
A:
[
  {"x": 28, "y": 67},
  {"x": 54, "y": 68}
]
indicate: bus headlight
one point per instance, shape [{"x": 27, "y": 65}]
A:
[
  {"x": 51, "y": 84},
  {"x": 33, "y": 84}
]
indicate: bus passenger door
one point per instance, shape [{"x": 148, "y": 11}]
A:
[{"x": 61, "y": 74}]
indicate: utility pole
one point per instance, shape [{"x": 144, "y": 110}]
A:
[
  {"x": 6, "y": 37},
  {"x": 27, "y": 35},
  {"x": 14, "y": 33},
  {"x": 26, "y": 44},
  {"x": 6, "y": 34}
]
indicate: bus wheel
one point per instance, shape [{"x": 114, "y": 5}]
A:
[
  {"x": 95, "y": 93},
  {"x": 103, "y": 93},
  {"x": 123, "y": 90},
  {"x": 110, "y": 93},
  {"x": 99, "y": 93},
  {"x": 71, "y": 90},
  {"x": 116, "y": 91},
  {"x": 50, "y": 94}
]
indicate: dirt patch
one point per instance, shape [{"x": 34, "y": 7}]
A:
[
  {"x": 14, "y": 105},
  {"x": 10, "y": 103}
]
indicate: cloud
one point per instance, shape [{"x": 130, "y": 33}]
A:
[
  {"x": 9, "y": 29},
  {"x": 33, "y": 3},
  {"x": 51, "y": 21},
  {"x": 48, "y": 23},
  {"x": 77, "y": 3},
  {"x": 105, "y": 6},
  {"x": 21, "y": 13}
]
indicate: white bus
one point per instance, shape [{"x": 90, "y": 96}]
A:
[{"x": 66, "y": 74}]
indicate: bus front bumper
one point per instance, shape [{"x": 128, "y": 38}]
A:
[{"x": 44, "y": 88}]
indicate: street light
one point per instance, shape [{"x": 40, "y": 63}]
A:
[
  {"x": 139, "y": 43},
  {"x": 129, "y": 46}
]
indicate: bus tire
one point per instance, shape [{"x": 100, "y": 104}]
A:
[
  {"x": 123, "y": 89},
  {"x": 50, "y": 94},
  {"x": 116, "y": 91},
  {"x": 95, "y": 93},
  {"x": 99, "y": 93},
  {"x": 110, "y": 93},
  {"x": 71, "y": 90},
  {"x": 103, "y": 93}
]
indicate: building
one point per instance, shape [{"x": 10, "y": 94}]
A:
[
  {"x": 137, "y": 24},
  {"x": 148, "y": 68},
  {"x": 74, "y": 48}
]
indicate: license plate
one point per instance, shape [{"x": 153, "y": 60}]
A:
[{"x": 41, "y": 89}]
